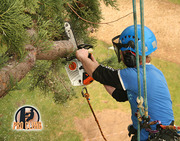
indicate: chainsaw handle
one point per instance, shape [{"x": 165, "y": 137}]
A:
[
  {"x": 89, "y": 56},
  {"x": 85, "y": 46},
  {"x": 73, "y": 57}
]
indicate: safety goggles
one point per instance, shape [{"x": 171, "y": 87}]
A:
[{"x": 118, "y": 46}]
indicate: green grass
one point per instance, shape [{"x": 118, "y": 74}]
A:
[
  {"x": 58, "y": 120},
  {"x": 55, "y": 118},
  {"x": 175, "y": 1}
]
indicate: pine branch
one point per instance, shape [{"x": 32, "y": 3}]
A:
[
  {"x": 16, "y": 71},
  {"x": 47, "y": 18},
  {"x": 13, "y": 22},
  {"x": 59, "y": 50}
]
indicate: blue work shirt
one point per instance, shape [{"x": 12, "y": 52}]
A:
[{"x": 158, "y": 96}]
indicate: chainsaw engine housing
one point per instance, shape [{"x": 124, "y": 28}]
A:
[{"x": 77, "y": 74}]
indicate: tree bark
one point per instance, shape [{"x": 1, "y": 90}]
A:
[
  {"x": 60, "y": 49},
  {"x": 15, "y": 71}
]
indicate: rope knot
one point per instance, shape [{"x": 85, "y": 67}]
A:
[{"x": 140, "y": 103}]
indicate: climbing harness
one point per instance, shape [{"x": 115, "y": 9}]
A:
[
  {"x": 161, "y": 133},
  {"x": 164, "y": 133},
  {"x": 86, "y": 95}
]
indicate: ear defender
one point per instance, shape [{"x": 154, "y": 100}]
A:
[
  {"x": 129, "y": 59},
  {"x": 118, "y": 46},
  {"x": 129, "y": 56}
]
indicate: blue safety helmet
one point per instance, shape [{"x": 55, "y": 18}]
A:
[{"x": 128, "y": 35}]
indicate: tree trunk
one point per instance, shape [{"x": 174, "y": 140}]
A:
[{"x": 16, "y": 71}]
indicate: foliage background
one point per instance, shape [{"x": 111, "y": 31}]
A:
[{"x": 46, "y": 19}]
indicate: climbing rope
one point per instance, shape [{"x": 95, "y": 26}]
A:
[
  {"x": 143, "y": 58},
  {"x": 86, "y": 95},
  {"x": 142, "y": 112},
  {"x": 137, "y": 66}
]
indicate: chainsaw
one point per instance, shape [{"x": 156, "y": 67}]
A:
[{"x": 74, "y": 68}]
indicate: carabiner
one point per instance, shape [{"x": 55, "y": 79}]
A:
[
  {"x": 86, "y": 95},
  {"x": 82, "y": 92}
]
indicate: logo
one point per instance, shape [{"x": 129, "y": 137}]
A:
[{"x": 27, "y": 118}]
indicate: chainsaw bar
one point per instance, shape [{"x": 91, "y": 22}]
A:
[
  {"x": 74, "y": 68},
  {"x": 70, "y": 34}
]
